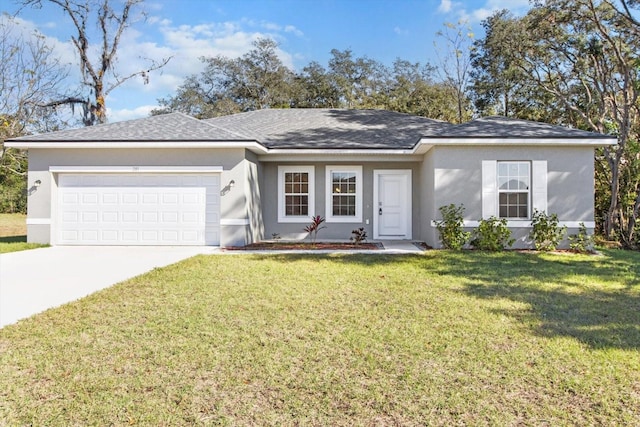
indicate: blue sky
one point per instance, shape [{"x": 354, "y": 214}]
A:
[{"x": 307, "y": 30}]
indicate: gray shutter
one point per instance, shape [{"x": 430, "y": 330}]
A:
[
  {"x": 489, "y": 188},
  {"x": 539, "y": 185}
]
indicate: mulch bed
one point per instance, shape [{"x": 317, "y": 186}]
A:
[{"x": 305, "y": 246}]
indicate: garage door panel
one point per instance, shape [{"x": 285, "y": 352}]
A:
[
  {"x": 150, "y": 199},
  {"x": 138, "y": 209},
  {"x": 129, "y": 198}
]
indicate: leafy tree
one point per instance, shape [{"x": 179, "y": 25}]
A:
[
  {"x": 499, "y": 85},
  {"x": 586, "y": 56},
  {"x": 357, "y": 80},
  {"x": 99, "y": 73},
  {"x": 256, "y": 80},
  {"x": 316, "y": 88}
]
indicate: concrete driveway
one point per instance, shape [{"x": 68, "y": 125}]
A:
[{"x": 36, "y": 280}]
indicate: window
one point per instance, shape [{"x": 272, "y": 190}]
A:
[
  {"x": 513, "y": 189},
  {"x": 295, "y": 193},
  {"x": 344, "y": 193}
]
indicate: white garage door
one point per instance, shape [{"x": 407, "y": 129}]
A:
[{"x": 138, "y": 209}]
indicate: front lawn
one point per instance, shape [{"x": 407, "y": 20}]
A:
[
  {"x": 13, "y": 233},
  {"x": 437, "y": 338}
]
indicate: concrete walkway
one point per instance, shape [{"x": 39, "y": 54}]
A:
[{"x": 35, "y": 280}]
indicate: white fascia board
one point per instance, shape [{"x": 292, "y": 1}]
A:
[
  {"x": 346, "y": 151},
  {"x": 136, "y": 169},
  {"x": 559, "y": 142},
  {"x": 253, "y": 146},
  {"x": 322, "y": 157},
  {"x": 347, "y": 155}
]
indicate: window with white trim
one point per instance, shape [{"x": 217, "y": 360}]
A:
[
  {"x": 344, "y": 193},
  {"x": 514, "y": 185},
  {"x": 296, "y": 194}
]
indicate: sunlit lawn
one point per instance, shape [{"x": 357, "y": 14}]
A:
[
  {"x": 13, "y": 233},
  {"x": 442, "y": 338}
]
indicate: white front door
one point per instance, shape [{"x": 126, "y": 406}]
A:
[{"x": 392, "y": 204}]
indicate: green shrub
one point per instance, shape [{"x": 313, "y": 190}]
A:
[
  {"x": 545, "y": 233},
  {"x": 581, "y": 242},
  {"x": 450, "y": 227},
  {"x": 492, "y": 235}
]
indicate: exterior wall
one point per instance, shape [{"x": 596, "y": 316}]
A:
[
  {"x": 334, "y": 230},
  {"x": 427, "y": 208},
  {"x": 458, "y": 179},
  {"x": 233, "y": 200}
]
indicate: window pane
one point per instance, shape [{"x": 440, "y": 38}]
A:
[
  {"x": 513, "y": 205},
  {"x": 344, "y": 205},
  {"x": 522, "y": 213},
  {"x": 343, "y": 188},
  {"x": 296, "y": 189}
]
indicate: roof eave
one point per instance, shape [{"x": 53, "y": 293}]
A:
[
  {"x": 528, "y": 141},
  {"x": 251, "y": 145}
]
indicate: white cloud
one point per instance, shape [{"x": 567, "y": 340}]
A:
[
  {"x": 445, "y": 6},
  {"x": 293, "y": 30},
  {"x": 401, "y": 32},
  {"x": 476, "y": 15},
  {"x": 129, "y": 114},
  {"x": 158, "y": 38}
]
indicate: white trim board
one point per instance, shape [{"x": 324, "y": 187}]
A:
[
  {"x": 234, "y": 221},
  {"x": 136, "y": 169},
  {"x": 38, "y": 221}
]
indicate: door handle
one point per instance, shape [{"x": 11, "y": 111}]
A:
[{"x": 380, "y": 211}]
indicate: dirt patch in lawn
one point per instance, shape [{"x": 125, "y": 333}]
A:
[
  {"x": 12, "y": 225},
  {"x": 305, "y": 246}
]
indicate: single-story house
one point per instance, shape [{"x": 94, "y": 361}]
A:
[{"x": 175, "y": 180}]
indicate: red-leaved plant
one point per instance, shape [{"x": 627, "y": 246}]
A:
[{"x": 314, "y": 227}]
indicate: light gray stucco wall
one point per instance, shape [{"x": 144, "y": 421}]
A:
[
  {"x": 457, "y": 173},
  {"x": 427, "y": 208},
  {"x": 334, "y": 231},
  {"x": 233, "y": 202}
]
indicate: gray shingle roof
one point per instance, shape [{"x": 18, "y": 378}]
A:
[
  {"x": 331, "y": 128},
  {"x": 503, "y": 127},
  {"x": 310, "y": 128},
  {"x": 166, "y": 127}
]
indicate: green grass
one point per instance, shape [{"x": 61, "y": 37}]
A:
[
  {"x": 442, "y": 339},
  {"x": 13, "y": 234}
]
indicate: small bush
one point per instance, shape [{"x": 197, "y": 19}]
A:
[
  {"x": 545, "y": 233},
  {"x": 492, "y": 235},
  {"x": 450, "y": 227},
  {"x": 581, "y": 242},
  {"x": 359, "y": 235}
]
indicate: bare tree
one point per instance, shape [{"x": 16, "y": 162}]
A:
[
  {"x": 455, "y": 62},
  {"x": 30, "y": 76},
  {"x": 99, "y": 74}
]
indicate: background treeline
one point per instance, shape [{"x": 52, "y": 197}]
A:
[
  {"x": 567, "y": 62},
  {"x": 259, "y": 80}
]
